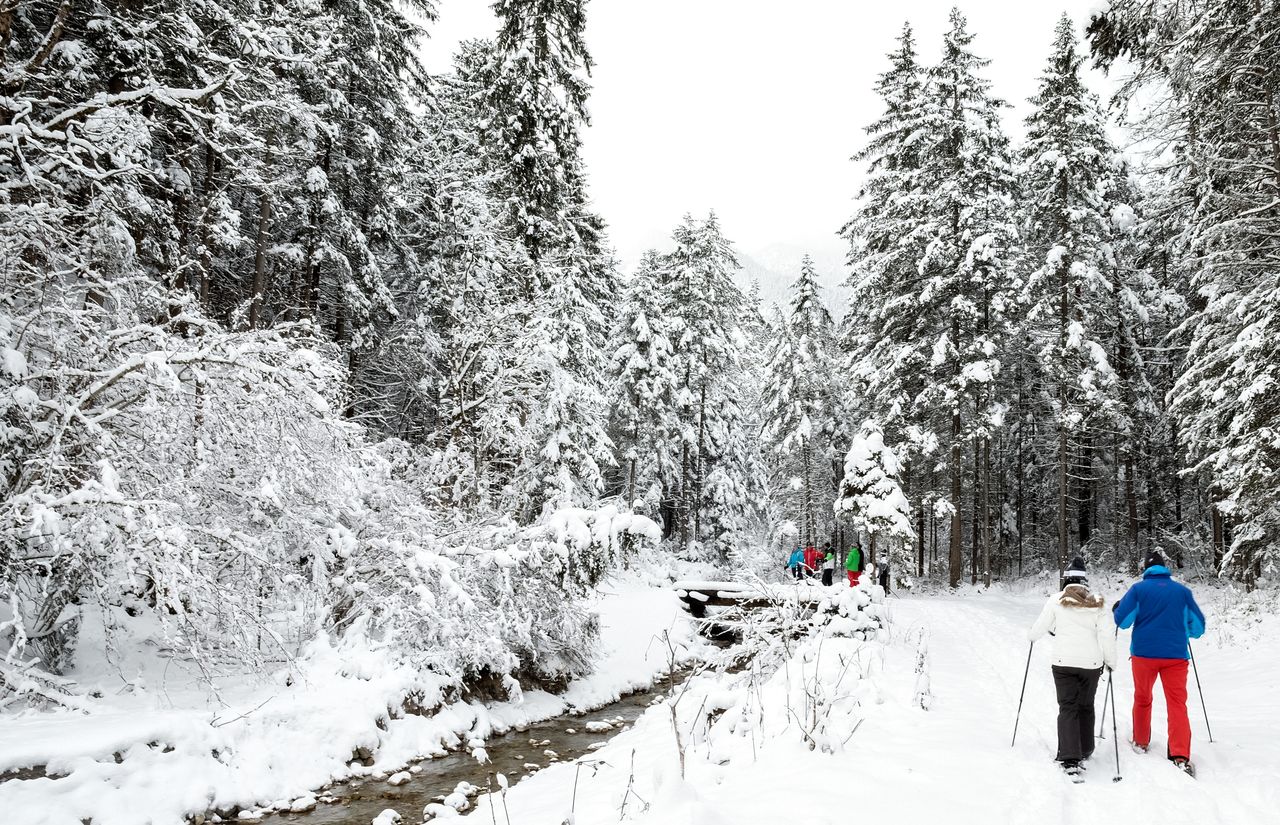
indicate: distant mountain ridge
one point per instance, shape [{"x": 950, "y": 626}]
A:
[{"x": 777, "y": 265}]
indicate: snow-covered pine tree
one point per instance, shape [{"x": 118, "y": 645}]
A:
[
  {"x": 644, "y": 371},
  {"x": 1222, "y": 117},
  {"x": 799, "y": 406},
  {"x": 932, "y": 283},
  {"x": 1074, "y": 185},
  {"x": 871, "y": 499},
  {"x": 534, "y": 94},
  {"x": 536, "y": 109},
  {"x": 567, "y": 413},
  {"x": 704, "y": 304},
  {"x": 886, "y": 242}
]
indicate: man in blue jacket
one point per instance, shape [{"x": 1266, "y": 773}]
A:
[{"x": 1163, "y": 615}]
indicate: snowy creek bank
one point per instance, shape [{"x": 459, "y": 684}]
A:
[
  {"x": 452, "y": 781},
  {"x": 163, "y": 752}
]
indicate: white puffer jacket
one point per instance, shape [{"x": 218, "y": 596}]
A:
[{"x": 1084, "y": 634}]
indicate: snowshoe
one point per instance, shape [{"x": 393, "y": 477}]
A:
[
  {"x": 1185, "y": 766},
  {"x": 1137, "y": 748},
  {"x": 1074, "y": 771}
]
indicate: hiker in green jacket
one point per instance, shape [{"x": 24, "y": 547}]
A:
[{"x": 853, "y": 565}]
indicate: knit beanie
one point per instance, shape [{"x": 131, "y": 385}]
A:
[
  {"x": 1154, "y": 559},
  {"x": 1075, "y": 572}
]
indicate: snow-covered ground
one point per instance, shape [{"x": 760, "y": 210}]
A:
[
  {"x": 950, "y": 763},
  {"x": 158, "y": 746}
]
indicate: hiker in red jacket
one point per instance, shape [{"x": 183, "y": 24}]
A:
[{"x": 810, "y": 560}]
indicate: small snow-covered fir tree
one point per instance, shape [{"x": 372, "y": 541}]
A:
[{"x": 870, "y": 496}]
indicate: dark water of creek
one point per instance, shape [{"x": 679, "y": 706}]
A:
[{"x": 359, "y": 801}]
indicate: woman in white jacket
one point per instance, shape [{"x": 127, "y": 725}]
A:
[{"x": 1084, "y": 641}]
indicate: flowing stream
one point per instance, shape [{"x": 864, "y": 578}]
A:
[{"x": 565, "y": 737}]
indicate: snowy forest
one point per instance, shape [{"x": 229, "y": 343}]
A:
[{"x": 309, "y": 352}]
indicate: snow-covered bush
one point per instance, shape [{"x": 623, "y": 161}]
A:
[
  {"x": 210, "y": 480},
  {"x": 810, "y": 680}
]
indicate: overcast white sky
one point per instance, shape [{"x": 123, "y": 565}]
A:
[{"x": 753, "y": 107}]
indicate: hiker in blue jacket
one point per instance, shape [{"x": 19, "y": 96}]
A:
[
  {"x": 1163, "y": 615},
  {"x": 796, "y": 563}
]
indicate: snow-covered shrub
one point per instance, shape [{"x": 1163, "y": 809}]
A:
[
  {"x": 811, "y": 680},
  {"x": 210, "y": 480}
]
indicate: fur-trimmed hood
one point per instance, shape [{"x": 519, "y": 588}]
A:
[
  {"x": 1077, "y": 595},
  {"x": 1084, "y": 635}
]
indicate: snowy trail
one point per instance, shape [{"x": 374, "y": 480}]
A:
[
  {"x": 953, "y": 763},
  {"x": 978, "y": 651}
]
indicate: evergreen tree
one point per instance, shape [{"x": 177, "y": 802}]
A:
[
  {"x": 932, "y": 283},
  {"x": 704, "y": 305},
  {"x": 871, "y": 496},
  {"x": 886, "y": 242},
  {"x": 536, "y": 109},
  {"x": 799, "y": 404},
  {"x": 644, "y": 371},
  {"x": 1222, "y": 120},
  {"x": 1073, "y": 182}
]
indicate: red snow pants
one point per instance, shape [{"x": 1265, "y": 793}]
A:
[
  {"x": 1173, "y": 678},
  {"x": 853, "y": 577}
]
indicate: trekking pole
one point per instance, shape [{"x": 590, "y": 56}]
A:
[
  {"x": 1102, "y": 726},
  {"x": 1115, "y": 736},
  {"x": 1199, "y": 689},
  {"x": 1022, "y": 695}
]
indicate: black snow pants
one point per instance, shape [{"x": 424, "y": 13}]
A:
[
  {"x": 1076, "y": 690},
  {"x": 826, "y": 576}
]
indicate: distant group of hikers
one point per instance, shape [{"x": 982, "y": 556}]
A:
[
  {"x": 807, "y": 562},
  {"x": 1164, "y": 617}
]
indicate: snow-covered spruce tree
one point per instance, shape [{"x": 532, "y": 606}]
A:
[
  {"x": 350, "y": 265},
  {"x": 932, "y": 282},
  {"x": 969, "y": 272},
  {"x": 886, "y": 241},
  {"x": 703, "y": 303},
  {"x": 1074, "y": 186},
  {"x": 644, "y": 407},
  {"x": 1222, "y": 116},
  {"x": 536, "y": 107},
  {"x": 469, "y": 404},
  {"x": 568, "y": 415},
  {"x": 800, "y": 406},
  {"x": 871, "y": 498},
  {"x": 532, "y": 114}
]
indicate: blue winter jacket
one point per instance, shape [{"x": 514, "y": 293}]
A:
[
  {"x": 797, "y": 558},
  {"x": 1163, "y": 615}
]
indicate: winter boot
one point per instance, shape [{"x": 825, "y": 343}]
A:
[{"x": 1073, "y": 770}]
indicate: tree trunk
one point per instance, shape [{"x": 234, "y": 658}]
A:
[
  {"x": 698, "y": 461},
  {"x": 986, "y": 512},
  {"x": 975, "y": 527},
  {"x": 957, "y": 491},
  {"x": 260, "y": 259},
  {"x": 1062, "y": 499}
]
